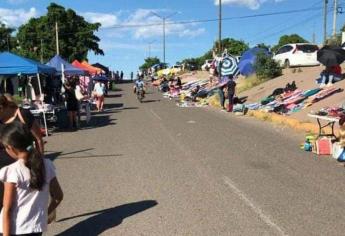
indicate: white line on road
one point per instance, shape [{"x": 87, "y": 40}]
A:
[
  {"x": 155, "y": 114},
  {"x": 252, "y": 205}
]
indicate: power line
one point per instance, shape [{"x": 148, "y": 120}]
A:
[
  {"x": 308, "y": 19},
  {"x": 184, "y": 22},
  {"x": 264, "y": 32},
  {"x": 213, "y": 20}
]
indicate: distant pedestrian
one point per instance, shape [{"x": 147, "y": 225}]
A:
[
  {"x": 72, "y": 103},
  {"x": 28, "y": 184},
  {"x": 99, "y": 92},
  {"x": 121, "y": 75},
  {"x": 231, "y": 93},
  {"x": 132, "y": 75}
]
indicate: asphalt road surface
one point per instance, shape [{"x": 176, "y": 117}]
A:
[{"x": 156, "y": 169}]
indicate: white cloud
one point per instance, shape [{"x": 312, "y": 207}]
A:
[
  {"x": 107, "y": 20},
  {"x": 252, "y": 4},
  {"x": 16, "y": 17},
  {"x": 146, "y": 17}
]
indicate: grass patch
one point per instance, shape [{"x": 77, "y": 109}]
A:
[{"x": 249, "y": 83}]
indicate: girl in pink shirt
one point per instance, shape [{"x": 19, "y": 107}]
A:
[{"x": 27, "y": 184}]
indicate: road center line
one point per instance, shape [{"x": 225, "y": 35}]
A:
[
  {"x": 252, "y": 205},
  {"x": 155, "y": 114}
]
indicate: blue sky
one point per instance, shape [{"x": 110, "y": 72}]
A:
[{"x": 126, "y": 48}]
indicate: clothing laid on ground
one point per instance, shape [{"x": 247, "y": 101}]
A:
[{"x": 29, "y": 211}]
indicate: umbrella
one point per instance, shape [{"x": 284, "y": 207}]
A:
[
  {"x": 331, "y": 55},
  {"x": 100, "y": 78},
  {"x": 229, "y": 66}
]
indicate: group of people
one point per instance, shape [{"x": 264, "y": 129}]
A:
[
  {"x": 75, "y": 96},
  {"x": 28, "y": 178}
]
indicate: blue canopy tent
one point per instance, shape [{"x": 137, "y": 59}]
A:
[
  {"x": 57, "y": 62},
  {"x": 248, "y": 59},
  {"x": 12, "y": 64}
]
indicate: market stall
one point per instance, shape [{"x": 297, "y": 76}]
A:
[{"x": 12, "y": 64}]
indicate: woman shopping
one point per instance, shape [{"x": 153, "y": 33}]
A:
[{"x": 99, "y": 92}]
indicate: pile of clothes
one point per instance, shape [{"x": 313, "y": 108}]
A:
[{"x": 291, "y": 99}]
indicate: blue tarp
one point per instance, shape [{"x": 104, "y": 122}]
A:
[
  {"x": 69, "y": 69},
  {"x": 12, "y": 64},
  {"x": 248, "y": 58}
]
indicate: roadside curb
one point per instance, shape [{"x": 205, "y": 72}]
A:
[{"x": 287, "y": 121}]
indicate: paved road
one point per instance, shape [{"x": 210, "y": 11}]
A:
[{"x": 156, "y": 169}]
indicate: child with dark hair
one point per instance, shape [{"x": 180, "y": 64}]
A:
[{"x": 27, "y": 184}]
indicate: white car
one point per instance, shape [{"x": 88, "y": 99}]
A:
[
  {"x": 297, "y": 54},
  {"x": 207, "y": 65}
]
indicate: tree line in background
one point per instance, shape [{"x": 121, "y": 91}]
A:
[
  {"x": 265, "y": 67},
  {"x": 36, "y": 39}
]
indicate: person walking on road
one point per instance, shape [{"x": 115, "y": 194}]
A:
[
  {"x": 28, "y": 183},
  {"x": 99, "y": 92},
  {"x": 121, "y": 75}
]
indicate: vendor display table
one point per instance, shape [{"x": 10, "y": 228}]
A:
[{"x": 330, "y": 123}]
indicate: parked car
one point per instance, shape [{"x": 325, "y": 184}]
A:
[
  {"x": 207, "y": 65},
  {"x": 158, "y": 67},
  {"x": 176, "y": 68},
  {"x": 297, "y": 54}
]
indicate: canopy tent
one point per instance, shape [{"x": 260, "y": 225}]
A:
[
  {"x": 102, "y": 67},
  {"x": 12, "y": 64},
  {"x": 248, "y": 59},
  {"x": 91, "y": 70},
  {"x": 98, "y": 70},
  {"x": 57, "y": 62}
]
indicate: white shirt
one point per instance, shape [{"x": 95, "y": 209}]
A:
[
  {"x": 29, "y": 212},
  {"x": 99, "y": 88}
]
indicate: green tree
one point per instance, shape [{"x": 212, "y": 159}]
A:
[
  {"x": 266, "y": 67},
  {"x": 76, "y": 35},
  {"x": 6, "y": 40},
  {"x": 233, "y": 46},
  {"x": 150, "y": 61},
  {"x": 286, "y": 39}
]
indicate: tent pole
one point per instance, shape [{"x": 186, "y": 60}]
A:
[{"x": 42, "y": 102}]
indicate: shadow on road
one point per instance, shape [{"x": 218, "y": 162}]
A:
[
  {"x": 113, "y": 96},
  {"x": 113, "y": 105},
  {"x": 105, "y": 219},
  {"x": 98, "y": 121},
  {"x": 149, "y": 101}
]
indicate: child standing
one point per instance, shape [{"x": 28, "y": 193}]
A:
[{"x": 27, "y": 184}]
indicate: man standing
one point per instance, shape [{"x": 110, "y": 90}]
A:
[{"x": 121, "y": 75}]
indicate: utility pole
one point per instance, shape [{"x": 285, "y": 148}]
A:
[
  {"x": 42, "y": 51},
  {"x": 150, "y": 43},
  {"x": 57, "y": 38},
  {"x": 335, "y": 12},
  {"x": 164, "y": 18},
  {"x": 8, "y": 43},
  {"x": 325, "y": 22},
  {"x": 220, "y": 27},
  {"x": 164, "y": 39}
]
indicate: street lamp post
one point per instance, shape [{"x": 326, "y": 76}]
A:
[
  {"x": 164, "y": 18},
  {"x": 150, "y": 43}
]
